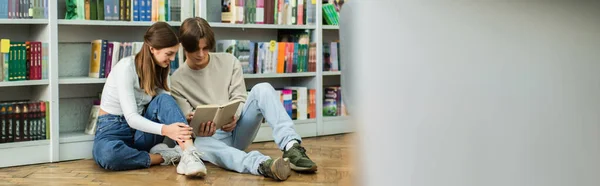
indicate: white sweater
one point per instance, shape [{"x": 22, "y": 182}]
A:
[{"x": 122, "y": 96}]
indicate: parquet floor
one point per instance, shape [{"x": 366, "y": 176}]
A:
[{"x": 332, "y": 154}]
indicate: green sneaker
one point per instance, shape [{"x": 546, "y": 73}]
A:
[
  {"x": 299, "y": 160},
  {"x": 278, "y": 169}
]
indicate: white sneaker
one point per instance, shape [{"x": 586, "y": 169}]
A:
[
  {"x": 191, "y": 164},
  {"x": 169, "y": 155}
]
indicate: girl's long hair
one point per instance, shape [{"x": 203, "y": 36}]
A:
[{"x": 158, "y": 36}]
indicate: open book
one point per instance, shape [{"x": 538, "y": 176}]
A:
[{"x": 218, "y": 114}]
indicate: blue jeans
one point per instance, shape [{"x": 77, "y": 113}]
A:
[
  {"x": 227, "y": 149},
  {"x": 120, "y": 147}
]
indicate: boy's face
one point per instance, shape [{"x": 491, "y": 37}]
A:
[{"x": 199, "y": 57}]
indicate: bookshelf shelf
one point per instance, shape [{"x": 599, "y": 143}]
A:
[
  {"x": 28, "y": 152},
  {"x": 284, "y": 75},
  {"x": 80, "y": 80},
  {"x": 260, "y": 26},
  {"x": 331, "y": 27},
  {"x": 75, "y": 145},
  {"x": 296, "y": 122},
  {"x": 111, "y": 23},
  {"x": 23, "y": 83},
  {"x": 332, "y": 73},
  {"x": 23, "y": 144},
  {"x": 71, "y": 137},
  {"x": 23, "y": 21},
  {"x": 337, "y": 125},
  {"x": 304, "y": 128}
]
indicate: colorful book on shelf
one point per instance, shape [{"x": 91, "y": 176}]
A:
[
  {"x": 103, "y": 49},
  {"x": 4, "y": 58},
  {"x": 3, "y": 9},
  {"x": 259, "y": 15},
  {"x": 95, "y": 55},
  {"x": 312, "y": 103},
  {"x": 299, "y": 102}
]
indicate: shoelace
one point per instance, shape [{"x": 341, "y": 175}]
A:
[
  {"x": 173, "y": 159},
  {"x": 196, "y": 155},
  {"x": 303, "y": 151}
]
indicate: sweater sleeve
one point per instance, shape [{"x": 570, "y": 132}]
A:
[
  {"x": 128, "y": 104},
  {"x": 237, "y": 86}
]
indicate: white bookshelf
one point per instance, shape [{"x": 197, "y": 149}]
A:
[{"x": 70, "y": 92}]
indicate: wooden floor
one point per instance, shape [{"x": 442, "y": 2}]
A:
[{"x": 331, "y": 153}]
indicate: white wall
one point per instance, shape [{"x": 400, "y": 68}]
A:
[{"x": 472, "y": 93}]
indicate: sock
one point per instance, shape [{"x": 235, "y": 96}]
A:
[{"x": 290, "y": 145}]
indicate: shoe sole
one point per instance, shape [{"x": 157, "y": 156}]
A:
[
  {"x": 281, "y": 169},
  {"x": 303, "y": 169},
  {"x": 200, "y": 173}
]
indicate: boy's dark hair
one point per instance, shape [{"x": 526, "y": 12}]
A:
[{"x": 192, "y": 30}]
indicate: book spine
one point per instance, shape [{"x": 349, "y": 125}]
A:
[
  {"x": 44, "y": 60},
  {"x": 108, "y": 61},
  {"x": 28, "y": 61},
  {"x": 3, "y": 123},
  {"x": 103, "y": 58},
  {"x": 44, "y": 121},
  {"x": 136, "y": 10},
  {"x": 9, "y": 123},
  {"x": 25, "y": 116},
  {"x": 23, "y": 61}
]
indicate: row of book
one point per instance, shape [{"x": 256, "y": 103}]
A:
[
  {"x": 332, "y": 102},
  {"x": 124, "y": 10},
  {"x": 280, "y": 12},
  {"x": 299, "y": 102},
  {"x": 26, "y": 60},
  {"x": 106, "y": 54},
  {"x": 24, "y": 121},
  {"x": 23, "y": 9},
  {"x": 271, "y": 57}
]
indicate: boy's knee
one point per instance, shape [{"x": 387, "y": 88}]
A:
[{"x": 262, "y": 87}]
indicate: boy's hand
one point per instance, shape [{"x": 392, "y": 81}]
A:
[
  {"x": 207, "y": 129},
  {"x": 230, "y": 126}
]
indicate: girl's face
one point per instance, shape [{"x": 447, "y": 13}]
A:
[{"x": 163, "y": 57}]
